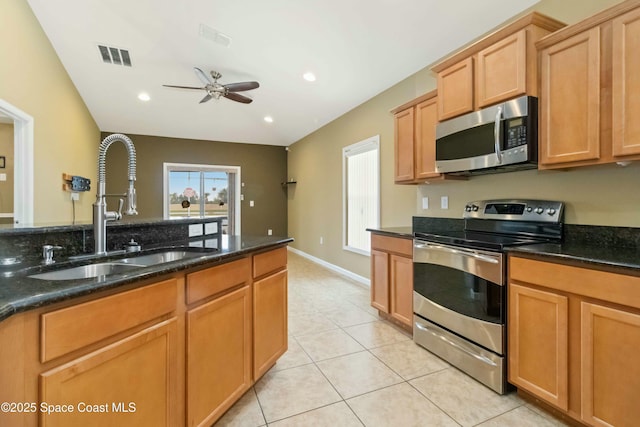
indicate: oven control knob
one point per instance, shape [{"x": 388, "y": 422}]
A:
[
  {"x": 551, "y": 211},
  {"x": 529, "y": 209},
  {"x": 467, "y": 208},
  {"x": 474, "y": 208},
  {"x": 539, "y": 210}
]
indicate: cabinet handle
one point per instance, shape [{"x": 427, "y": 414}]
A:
[{"x": 496, "y": 134}]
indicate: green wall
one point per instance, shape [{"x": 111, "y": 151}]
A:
[{"x": 263, "y": 169}]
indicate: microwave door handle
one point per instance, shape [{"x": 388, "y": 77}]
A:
[
  {"x": 496, "y": 134},
  {"x": 471, "y": 254}
]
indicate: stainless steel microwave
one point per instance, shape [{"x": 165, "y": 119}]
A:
[{"x": 500, "y": 138}]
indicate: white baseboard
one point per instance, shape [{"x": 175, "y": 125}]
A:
[{"x": 351, "y": 275}]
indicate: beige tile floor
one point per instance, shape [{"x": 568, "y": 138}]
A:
[{"x": 347, "y": 367}]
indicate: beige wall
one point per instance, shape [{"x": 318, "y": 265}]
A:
[
  {"x": 598, "y": 195},
  {"x": 6, "y": 187},
  {"x": 66, "y": 137}
]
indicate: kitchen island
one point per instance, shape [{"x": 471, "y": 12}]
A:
[{"x": 171, "y": 344}]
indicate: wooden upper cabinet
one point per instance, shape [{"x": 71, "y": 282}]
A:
[
  {"x": 570, "y": 100},
  {"x": 626, "y": 84},
  {"x": 497, "y": 68},
  {"x": 426, "y": 118},
  {"x": 501, "y": 70},
  {"x": 415, "y": 139},
  {"x": 404, "y": 141},
  {"x": 455, "y": 85},
  {"x": 590, "y": 90}
]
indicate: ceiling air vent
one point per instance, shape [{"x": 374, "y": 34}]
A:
[{"x": 113, "y": 55}]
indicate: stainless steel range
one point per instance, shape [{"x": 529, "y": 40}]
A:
[{"x": 460, "y": 294}]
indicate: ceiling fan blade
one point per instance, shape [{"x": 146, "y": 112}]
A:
[
  {"x": 237, "y": 97},
  {"x": 202, "y": 76},
  {"x": 184, "y": 87},
  {"x": 206, "y": 98},
  {"x": 239, "y": 87}
]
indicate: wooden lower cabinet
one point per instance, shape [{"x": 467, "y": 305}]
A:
[
  {"x": 380, "y": 280},
  {"x": 573, "y": 335},
  {"x": 392, "y": 277},
  {"x": 218, "y": 356},
  {"x": 269, "y": 321},
  {"x": 131, "y": 382},
  {"x": 175, "y": 351},
  {"x": 401, "y": 290},
  {"x": 538, "y": 347},
  {"x": 610, "y": 373}
]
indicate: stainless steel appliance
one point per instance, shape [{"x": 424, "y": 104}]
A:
[
  {"x": 499, "y": 138},
  {"x": 460, "y": 295}
]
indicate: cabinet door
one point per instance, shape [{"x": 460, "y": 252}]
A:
[
  {"x": 501, "y": 70},
  {"x": 626, "y": 84},
  {"x": 404, "y": 141},
  {"x": 380, "y": 280},
  {"x": 132, "y": 382},
  {"x": 538, "y": 343},
  {"x": 218, "y": 356},
  {"x": 455, "y": 90},
  {"x": 269, "y": 321},
  {"x": 401, "y": 287},
  {"x": 570, "y": 100},
  {"x": 609, "y": 369},
  {"x": 426, "y": 118}
]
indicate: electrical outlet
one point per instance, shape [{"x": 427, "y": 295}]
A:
[
  {"x": 251, "y": 204},
  {"x": 75, "y": 196},
  {"x": 322, "y": 240},
  {"x": 425, "y": 203},
  {"x": 444, "y": 202},
  {"x": 269, "y": 232}
]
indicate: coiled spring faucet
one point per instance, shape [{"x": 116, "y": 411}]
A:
[{"x": 100, "y": 213}]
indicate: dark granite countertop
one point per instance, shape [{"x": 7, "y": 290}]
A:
[
  {"x": 584, "y": 255},
  {"x": 19, "y": 293},
  {"x": 394, "y": 231}
]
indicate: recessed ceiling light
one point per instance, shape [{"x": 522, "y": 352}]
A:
[
  {"x": 144, "y": 96},
  {"x": 309, "y": 76},
  {"x": 268, "y": 119}
]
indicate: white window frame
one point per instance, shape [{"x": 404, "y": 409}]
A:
[
  {"x": 369, "y": 144},
  {"x": 166, "y": 167}
]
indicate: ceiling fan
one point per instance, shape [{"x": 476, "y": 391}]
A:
[{"x": 216, "y": 90}]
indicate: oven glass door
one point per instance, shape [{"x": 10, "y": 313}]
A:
[{"x": 468, "y": 282}]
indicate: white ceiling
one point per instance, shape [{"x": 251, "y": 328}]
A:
[{"x": 356, "y": 48}]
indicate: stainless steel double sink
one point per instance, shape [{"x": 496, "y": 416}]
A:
[{"x": 119, "y": 266}]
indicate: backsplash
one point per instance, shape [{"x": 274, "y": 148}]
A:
[{"x": 78, "y": 239}]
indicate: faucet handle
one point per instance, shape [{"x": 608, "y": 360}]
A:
[{"x": 120, "y": 205}]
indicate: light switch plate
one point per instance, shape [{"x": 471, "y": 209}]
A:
[
  {"x": 425, "y": 203},
  {"x": 444, "y": 202},
  {"x": 3, "y": 176}
]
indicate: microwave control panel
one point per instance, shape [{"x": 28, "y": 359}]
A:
[{"x": 516, "y": 133}]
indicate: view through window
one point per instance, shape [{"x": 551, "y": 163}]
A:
[{"x": 203, "y": 191}]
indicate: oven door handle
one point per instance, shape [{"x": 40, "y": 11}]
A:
[
  {"x": 463, "y": 252},
  {"x": 479, "y": 357}
]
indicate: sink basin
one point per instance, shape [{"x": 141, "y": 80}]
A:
[
  {"x": 159, "y": 257},
  {"x": 119, "y": 266},
  {"x": 88, "y": 271}
]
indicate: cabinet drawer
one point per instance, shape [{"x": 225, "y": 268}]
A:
[
  {"x": 603, "y": 285},
  {"x": 69, "y": 329},
  {"x": 268, "y": 262},
  {"x": 205, "y": 283},
  {"x": 396, "y": 245}
]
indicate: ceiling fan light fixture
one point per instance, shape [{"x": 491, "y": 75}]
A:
[
  {"x": 309, "y": 76},
  {"x": 268, "y": 119}
]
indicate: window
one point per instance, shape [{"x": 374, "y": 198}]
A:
[
  {"x": 361, "y": 193},
  {"x": 203, "y": 191}
]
